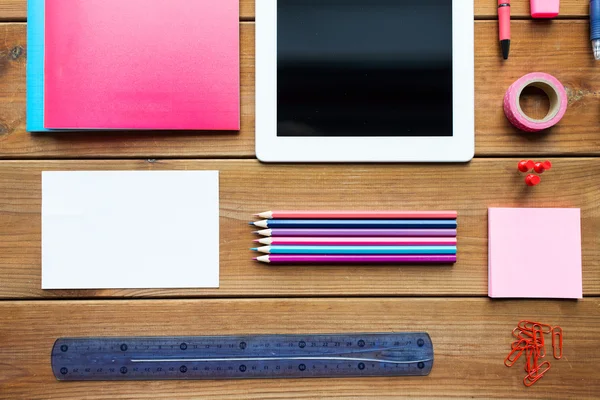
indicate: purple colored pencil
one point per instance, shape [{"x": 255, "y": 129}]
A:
[
  {"x": 357, "y": 259},
  {"x": 281, "y": 232}
]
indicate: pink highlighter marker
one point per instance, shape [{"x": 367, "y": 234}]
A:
[{"x": 504, "y": 25}]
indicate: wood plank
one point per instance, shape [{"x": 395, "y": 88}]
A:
[
  {"x": 248, "y": 187},
  {"x": 17, "y": 9},
  {"x": 559, "y": 48},
  {"x": 471, "y": 338},
  {"x": 13, "y": 10}
]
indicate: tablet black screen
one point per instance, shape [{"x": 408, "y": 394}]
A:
[{"x": 364, "y": 67}]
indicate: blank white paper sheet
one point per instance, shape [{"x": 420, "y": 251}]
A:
[{"x": 130, "y": 229}]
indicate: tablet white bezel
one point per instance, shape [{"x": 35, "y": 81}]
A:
[{"x": 458, "y": 148}]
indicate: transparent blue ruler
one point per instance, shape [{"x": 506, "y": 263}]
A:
[{"x": 241, "y": 357}]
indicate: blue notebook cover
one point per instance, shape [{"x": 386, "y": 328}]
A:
[{"x": 35, "y": 65}]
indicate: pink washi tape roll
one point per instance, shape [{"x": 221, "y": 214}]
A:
[{"x": 554, "y": 90}]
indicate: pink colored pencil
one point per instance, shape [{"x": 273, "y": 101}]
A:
[
  {"x": 284, "y": 232},
  {"x": 355, "y": 241},
  {"x": 358, "y": 214}
]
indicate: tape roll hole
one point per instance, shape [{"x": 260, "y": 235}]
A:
[{"x": 538, "y": 102}]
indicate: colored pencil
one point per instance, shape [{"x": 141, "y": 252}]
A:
[
  {"x": 358, "y": 214},
  {"x": 357, "y": 232},
  {"x": 357, "y": 241},
  {"x": 357, "y": 250},
  {"x": 357, "y": 259},
  {"x": 356, "y": 223}
]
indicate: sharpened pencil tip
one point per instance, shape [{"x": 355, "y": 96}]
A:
[
  {"x": 254, "y": 248},
  {"x": 251, "y": 223},
  {"x": 255, "y": 258}
]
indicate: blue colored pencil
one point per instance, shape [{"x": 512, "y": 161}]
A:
[
  {"x": 357, "y": 223},
  {"x": 357, "y": 250}
]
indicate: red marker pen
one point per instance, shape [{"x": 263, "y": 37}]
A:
[{"x": 504, "y": 25}]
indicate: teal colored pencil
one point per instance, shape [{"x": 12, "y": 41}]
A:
[{"x": 357, "y": 249}]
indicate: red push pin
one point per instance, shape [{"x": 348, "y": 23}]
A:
[
  {"x": 532, "y": 180},
  {"x": 541, "y": 167},
  {"x": 526, "y": 165}
]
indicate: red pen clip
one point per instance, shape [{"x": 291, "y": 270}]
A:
[{"x": 557, "y": 342}]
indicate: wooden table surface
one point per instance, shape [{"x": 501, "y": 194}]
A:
[{"x": 471, "y": 333}]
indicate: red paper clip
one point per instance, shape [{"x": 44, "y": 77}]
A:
[
  {"x": 538, "y": 340},
  {"x": 536, "y": 374},
  {"x": 531, "y": 341},
  {"x": 557, "y": 342},
  {"x": 528, "y": 326},
  {"x": 522, "y": 344},
  {"x": 525, "y": 324},
  {"x": 513, "y": 356},
  {"x": 531, "y": 359},
  {"x": 523, "y": 334},
  {"x": 516, "y": 333}
]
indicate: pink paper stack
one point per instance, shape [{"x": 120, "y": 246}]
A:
[{"x": 535, "y": 253}]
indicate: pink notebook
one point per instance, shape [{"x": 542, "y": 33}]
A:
[{"x": 142, "y": 64}]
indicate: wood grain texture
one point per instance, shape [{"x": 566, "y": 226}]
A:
[
  {"x": 17, "y": 9},
  {"x": 13, "y": 10},
  {"x": 471, "y": 338},
  {"x": 247, "y": 187},
  {"x": 560, "y": 48}
]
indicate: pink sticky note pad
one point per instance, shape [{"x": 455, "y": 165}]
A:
[
  {"x": 142, "y": 64},
  {"x": 535, "y": 253}
]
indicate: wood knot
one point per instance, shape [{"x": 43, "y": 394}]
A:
[{"x": 16, "y": 52}]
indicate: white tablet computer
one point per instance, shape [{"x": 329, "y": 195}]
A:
[{"x": 364, "y": 80}]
